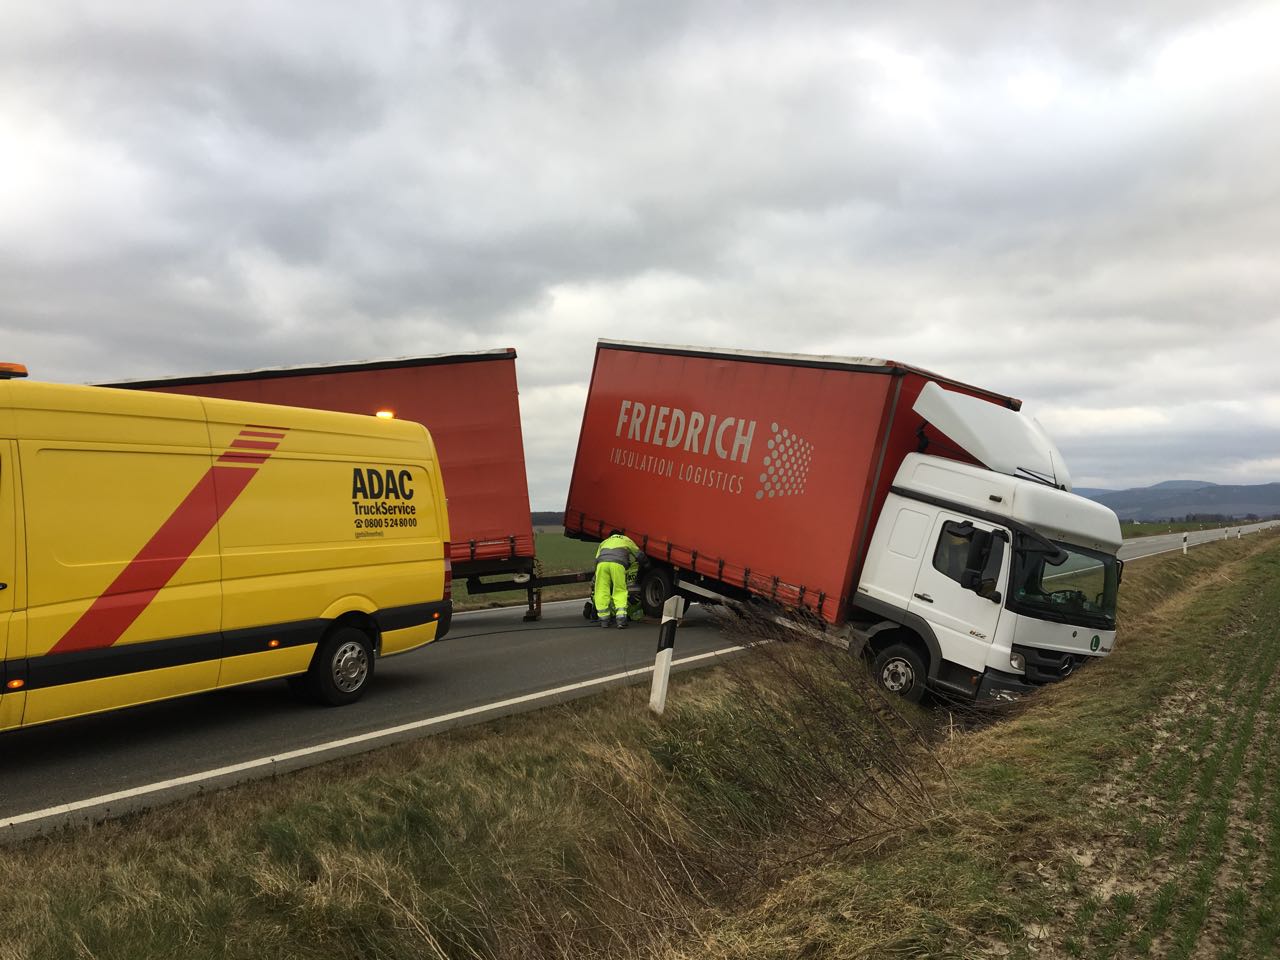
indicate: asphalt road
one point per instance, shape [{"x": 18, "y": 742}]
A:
[
  {"x": 1141, "y": 547},
  {"x": 489, "y": 658},
  {"x": 491, "y": 664}
]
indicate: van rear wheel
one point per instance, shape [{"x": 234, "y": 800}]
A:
[{"x": 342, "y": 667}]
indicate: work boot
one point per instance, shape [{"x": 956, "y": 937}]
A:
[
  {"x": 606, "y": 622},
  {"x": 622, "y": 623}
]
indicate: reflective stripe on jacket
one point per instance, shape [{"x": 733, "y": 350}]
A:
[
  {"x": 614, "y": 555},
  {"x": 618, "y": 549}
]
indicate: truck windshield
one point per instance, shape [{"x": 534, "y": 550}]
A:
[{"x": 1074, "y": 586}]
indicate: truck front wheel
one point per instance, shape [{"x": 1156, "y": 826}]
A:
[
  {"x": 656, "y": 584},
  {"x": 899, "y": 670}
]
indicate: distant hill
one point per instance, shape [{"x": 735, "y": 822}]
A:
[
  {"x": 548, "y": 518},
  {"x": 1092, "y": 492},
  {"x": 1177, "y": 499}
]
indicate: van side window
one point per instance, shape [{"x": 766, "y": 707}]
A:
[{"x": 961, "y": 547}]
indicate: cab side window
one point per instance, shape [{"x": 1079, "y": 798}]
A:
[{"x": 963, "y": 548}]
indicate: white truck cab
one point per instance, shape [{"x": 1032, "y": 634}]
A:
[{"x": 986, "y": 581}]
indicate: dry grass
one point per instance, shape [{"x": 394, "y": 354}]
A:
[
  {"x": 1003, "y": 871},
  {"x": 781, "y": 808}
]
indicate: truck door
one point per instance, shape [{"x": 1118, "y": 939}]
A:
[{"x": 962, "y": 551}]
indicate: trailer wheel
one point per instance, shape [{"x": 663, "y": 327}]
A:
[
  {"x": 342, "y": 668},
  {"x": 899, "y": 670},
  {"x": 656, "y": 584}
]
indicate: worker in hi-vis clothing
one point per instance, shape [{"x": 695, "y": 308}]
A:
[{"x": 616, "y": 553}]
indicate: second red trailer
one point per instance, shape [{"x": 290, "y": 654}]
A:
[{"x": 469, "y": 401}]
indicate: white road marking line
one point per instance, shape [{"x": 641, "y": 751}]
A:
[
  {"x": 1143, "y": 556},
  {"x": 65, "y": 809},
  {"x": 1194, "y": 543}
]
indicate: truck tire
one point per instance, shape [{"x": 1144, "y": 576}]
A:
[
  {"x": 656, "y": 584},
  {"x": 342, "y": 668},
  {"x": 898, "y": 670}
]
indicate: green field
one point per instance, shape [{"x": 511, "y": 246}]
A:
[{"x": 779, "y": 809}]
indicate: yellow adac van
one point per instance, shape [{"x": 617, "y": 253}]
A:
[{"x": 155, "y": 545}]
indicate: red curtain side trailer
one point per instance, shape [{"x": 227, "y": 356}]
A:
[
  {"x": 750, "y": 472},
  {"x": 471, "y": 405}
]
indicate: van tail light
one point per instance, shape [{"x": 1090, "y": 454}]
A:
[{"x": 448, "y": 572}]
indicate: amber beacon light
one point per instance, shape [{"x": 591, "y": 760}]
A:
[
  {"x": 10, "y": 371},
  {"x": 385, "y": 414}
]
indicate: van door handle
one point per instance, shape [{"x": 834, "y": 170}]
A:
[
  {"x": 4, "y": 586},
  {"x": 923, "y": 596}
]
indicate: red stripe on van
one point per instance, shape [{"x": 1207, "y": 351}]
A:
[
  {"x": 169, "y": 548},
  {"x": 254, "y": 444}
]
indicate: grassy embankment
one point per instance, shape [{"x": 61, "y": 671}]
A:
[
  {"x": 779, "y": 810},
  {"x": 557, "y": 554}
]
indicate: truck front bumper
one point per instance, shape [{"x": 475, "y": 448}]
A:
[{"x": 998, "y": 685}]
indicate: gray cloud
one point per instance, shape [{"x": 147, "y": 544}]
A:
[{"x": 1074, "y": 203}]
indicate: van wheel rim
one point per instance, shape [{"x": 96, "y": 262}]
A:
[
  {"x": 897, "y": 676},
  {"x": 350, "y": 666}
]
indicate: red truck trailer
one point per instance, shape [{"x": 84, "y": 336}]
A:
[
  {"x": 471, "y": 405},
  {"x": 755, "y": 471}
]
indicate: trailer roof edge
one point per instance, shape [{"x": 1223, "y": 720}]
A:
[
  {"x": 816, "y": 361},
  {"x": 268, "y": 373},
  {"x": 794, "y": 359}
]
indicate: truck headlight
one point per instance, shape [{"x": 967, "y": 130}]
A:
[{"x": 1017, "y": 661}]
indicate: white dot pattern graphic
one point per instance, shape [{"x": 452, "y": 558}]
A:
[{"x": 785, "y": 470}]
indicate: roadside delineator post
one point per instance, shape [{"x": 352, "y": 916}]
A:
[
  {"x": 1184, "y": 544},
  {"x": 672, "y": 611}
]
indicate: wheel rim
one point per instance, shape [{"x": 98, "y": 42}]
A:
[
  {"x": 350, "y": 666},
  {"x": 897, "y": 676}
]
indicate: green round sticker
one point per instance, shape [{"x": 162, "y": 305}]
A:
[{"x": 1095, "y": 643}]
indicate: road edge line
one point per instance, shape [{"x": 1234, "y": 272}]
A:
[{"x": 126, "y": 801}]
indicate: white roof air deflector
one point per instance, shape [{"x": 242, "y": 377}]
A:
[{"x": 1001, "y": 439}]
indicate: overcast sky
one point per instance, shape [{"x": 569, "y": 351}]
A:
[{"x": 1070, "y": 203}]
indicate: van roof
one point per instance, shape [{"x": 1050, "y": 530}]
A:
[
  {"x": 23, "y": 397},
  {"x": 267, "y": 373}
]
